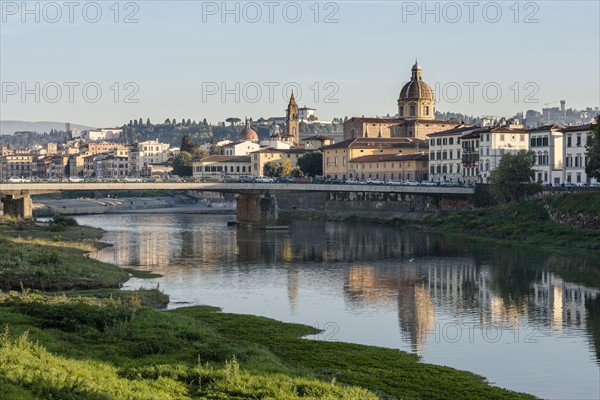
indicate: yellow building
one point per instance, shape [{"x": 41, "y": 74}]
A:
[
  {"x": 407, "y": 167},
  {"x": 336, "y": 157},
  {"x": 261, "y": 157}
]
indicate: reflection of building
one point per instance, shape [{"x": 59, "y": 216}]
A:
[{"x": 561, "y": 303}]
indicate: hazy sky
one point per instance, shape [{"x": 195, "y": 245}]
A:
[{"x": 103, "y": 63}]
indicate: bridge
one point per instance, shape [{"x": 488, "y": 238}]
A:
[{"x": 256, "y": 202}]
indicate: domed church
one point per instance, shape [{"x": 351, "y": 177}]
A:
[
  {"x": 415, "y": 119},
  {"x": 416, "y": 100}
]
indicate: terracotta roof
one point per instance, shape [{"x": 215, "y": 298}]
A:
[
  {"x": 432, "y": 121},
  {"x": 390, "y": 157},
  {"x": 318, "y": 137},
  {"x": 416, "y": 89},
  {"x": 503, "y": 129},
  {"x": 459, "y": 130},
  {"x": 371, "y": 120},
  {"x": 376, "y": 143},
  {"x": 544, "y": 128},
  {"x": 295, "y": 150},
  {"x": 578, "y": 128},
  {"x": 218, "y": 158}
]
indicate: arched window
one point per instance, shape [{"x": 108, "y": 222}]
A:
[
  {"x": 426, "y": 110},
  {"x": 413, "y": 111}
]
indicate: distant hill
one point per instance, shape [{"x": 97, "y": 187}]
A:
[{"x": 10, "y": 127}]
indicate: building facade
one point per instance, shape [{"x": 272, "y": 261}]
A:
[
  {"x": 574, "y": 142},
  {"x": 497, "y": 142},
  {"x": 216, "y": 167},
  {"x": 404, "y": 167},
  {"x": 445, "y": 155},
  {"x": 547, "y": 144},
  {"x": 336, "y": 157}
]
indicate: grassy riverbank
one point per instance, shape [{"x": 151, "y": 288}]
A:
[
  {"x": 527, "y": 222},
  {"x": 109, "y": 344}
]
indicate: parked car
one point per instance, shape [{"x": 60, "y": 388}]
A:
[
  {"x": 374, "y": 181},
  {"x": 428, "y": 183},
  {"x": 264, "y": 179},
  {"x": 229, "y": 179},
  {"x": 75, "y": 179},
  {"x": 247, "y": 178},
  {"x": 395, "y": 182},
  {"x": 334, "y": 181},
  {"x": 570, "y": 184},
  {"x": 303, "y": 180},
  {"x": 595, "y": 184},
  {"x": 351, "y": 181},
  {"x": 54, "y": 179},
  {"x": 15, "y": 179},
  {"x": 285, "y": 179},
  {"x": 411, "y": 183},
  {"x": 131, "y": 179}
]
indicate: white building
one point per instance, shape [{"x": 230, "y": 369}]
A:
[
  {"x": 445, "y": 158},
  {"x": 94, "y": 135},
  {"x": 547, "y": 144},
  {"x": 147, "y": 153},
  {"x": 216, "y": 167},
  {"x": 307, "y": 114},
  {"x": 575, "y": 139},
  {"x": 497, "y": 142},
  {"x": 240, "y": 148}
]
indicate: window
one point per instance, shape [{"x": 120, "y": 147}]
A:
[
  {"x": 568, "y": 140},
  {"x": 413, "y": 111},
  {"x": 450, "y": 154},
  {"x": 522, "y": 138},
  {"x": 445, "y": 141},
  {"x": 439, "y": 142},
  {"x": 432, "y": 142},
  {"x": 426, "y": 110},
  {"x": 401, "y": 110},
  {"x": 450, "y": 140},
  {"x": 502, "y": 138},
  {"x": 578, "y": 140}
]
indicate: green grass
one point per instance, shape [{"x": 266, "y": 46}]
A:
[
  {"x": 56, "y": 346},
  {"x": 526, "y": 222}
]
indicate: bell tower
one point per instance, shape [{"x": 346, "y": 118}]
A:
[{"x": 292, "y": 125}]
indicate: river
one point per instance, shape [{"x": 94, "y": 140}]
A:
[{"x": 526, "y": 319}]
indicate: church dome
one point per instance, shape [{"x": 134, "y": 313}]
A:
[
  {"x": 249, "y": 134},
  {"x": 416, "y": 88}
]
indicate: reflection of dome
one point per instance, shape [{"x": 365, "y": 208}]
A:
[{"x": 416, "y": 88}]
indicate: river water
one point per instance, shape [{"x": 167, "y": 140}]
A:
[{"x": 526, "y": 319}]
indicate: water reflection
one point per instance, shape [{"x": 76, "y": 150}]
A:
[{"x": 433, "y": 286}]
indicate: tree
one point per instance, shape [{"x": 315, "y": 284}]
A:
[
  {"x": 182, "y": 165},
  {"x": 187, "y": 144},
  {"x": 592, "y": 169},
  {"x": 148, "y": 122},
  {"x": 233, "y": 121},
  {"x": 311, "y": 164},
  {"x": 271, "y": 169},
  {"x": 513, "y": 179}
]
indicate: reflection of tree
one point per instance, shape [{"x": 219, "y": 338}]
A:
[{"x": 593, "y": 323}]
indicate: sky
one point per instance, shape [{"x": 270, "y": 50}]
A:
[{"x": 102, "y": 63}]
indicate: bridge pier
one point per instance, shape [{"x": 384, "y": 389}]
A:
[
  {"x": 257, "y": 210},
  {"x": 17, "y": 206}
]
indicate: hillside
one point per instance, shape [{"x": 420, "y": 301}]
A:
[{"x": 10, "y": 127}]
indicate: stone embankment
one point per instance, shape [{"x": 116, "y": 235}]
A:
[{"x": 585, "y": 221}]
